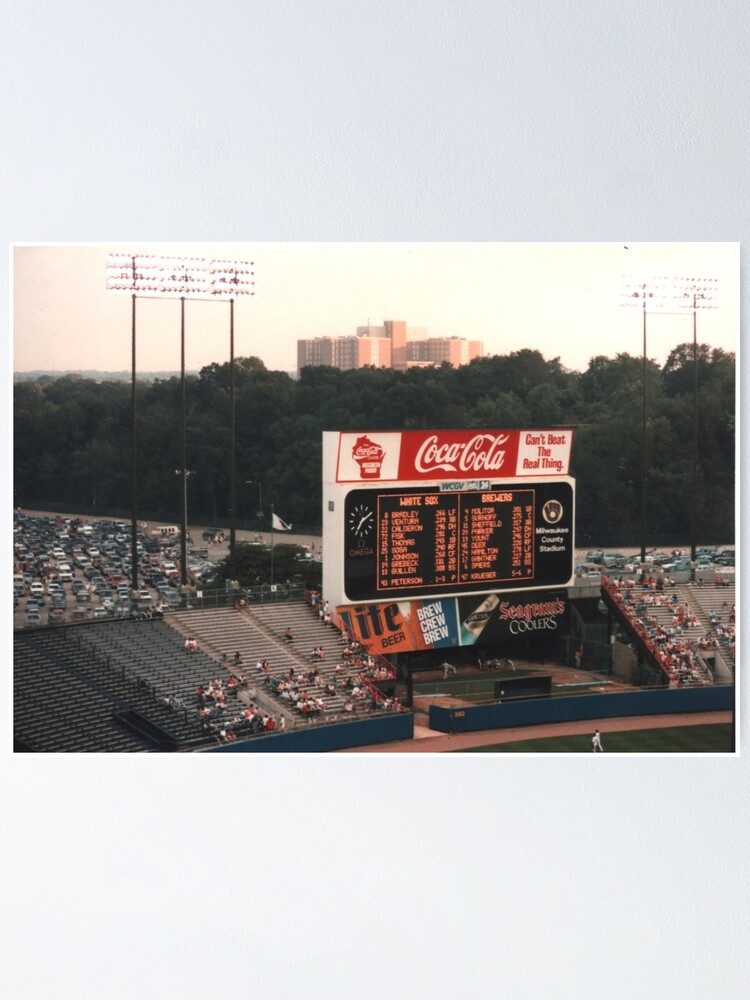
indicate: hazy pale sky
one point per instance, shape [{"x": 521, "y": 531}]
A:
[{"x": 562, "y": 299}]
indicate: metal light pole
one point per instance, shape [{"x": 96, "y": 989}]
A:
[
  {"x": 184, "y": 473},
  {"x": 232, "y": 453},
  {"x": 271, "y": 544},
  {"x": 146, "y": 276},
  {"x": 636, "y": 292},
  {"x": 133, "y": 469},
  {"x": 249, "y": 482},
  {"x": 183, "y": 448}
]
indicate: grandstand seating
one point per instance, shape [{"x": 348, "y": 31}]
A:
[
  {"x": 65, "y": 697},
  {"x": 258, "y": 634},
  {"x": 115, "y": 686},
  {"x": 651, "y": 615}
]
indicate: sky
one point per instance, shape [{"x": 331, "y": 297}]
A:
[{"x": 561, "y": 299}]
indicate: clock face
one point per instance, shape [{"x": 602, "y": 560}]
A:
[{"x": 361, "y": 520}]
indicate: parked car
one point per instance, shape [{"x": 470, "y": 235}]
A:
[
  {"x": 725, "y": 558},
  {"x": 677, "y": 566},
  {"x": 703, "y": 563},
  {"x": 613, "y": 560}
]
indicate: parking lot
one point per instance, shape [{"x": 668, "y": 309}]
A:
[
  {"x": 69, "y": 568},
  {"x": 74, "y": 568}
]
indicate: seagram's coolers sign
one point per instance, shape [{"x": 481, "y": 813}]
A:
[{"x": 512, "y": 616}]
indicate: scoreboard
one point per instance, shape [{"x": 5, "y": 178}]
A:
[
  {"x": 448, "y": 539},
  {"x": 418, "y": 523}
]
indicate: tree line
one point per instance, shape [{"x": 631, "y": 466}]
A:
[{"x": 72, "y": 436}]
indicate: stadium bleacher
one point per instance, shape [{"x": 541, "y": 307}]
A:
[{"x": 130, "y": 686}]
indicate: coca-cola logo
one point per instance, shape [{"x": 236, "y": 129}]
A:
[
  {"x": 482, "y": 453},
  {"x": 369, "y": 454},
  {"x": 368, "y": 451}
]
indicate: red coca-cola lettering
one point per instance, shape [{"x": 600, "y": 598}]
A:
[{"x": 482, "y": 453}]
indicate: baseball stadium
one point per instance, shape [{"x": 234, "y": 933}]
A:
[{"x": 454, "y": 613}]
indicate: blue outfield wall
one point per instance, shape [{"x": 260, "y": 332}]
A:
[
  {"x": 320, "y": 739},
  {"x": 502, "y": 715}
]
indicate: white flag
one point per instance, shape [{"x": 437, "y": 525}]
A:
[{"x": 278, "y": 524}]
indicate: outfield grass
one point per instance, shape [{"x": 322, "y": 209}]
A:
[{"x": 715, "y": 738}]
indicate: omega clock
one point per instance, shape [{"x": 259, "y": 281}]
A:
[{"x": 361, "y": 521}]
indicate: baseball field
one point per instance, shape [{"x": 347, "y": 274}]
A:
[{"x": 715, "y": 738}]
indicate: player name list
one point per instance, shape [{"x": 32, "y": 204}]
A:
[{"x": 433, "y": 539}]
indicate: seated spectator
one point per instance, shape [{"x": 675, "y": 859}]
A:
[{"x": 288, "y": 635}]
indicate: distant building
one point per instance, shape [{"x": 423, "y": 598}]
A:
[{"x": 392, "y": 345}]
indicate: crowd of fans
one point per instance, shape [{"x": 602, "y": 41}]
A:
[
  {"x": 679, "y": 642},
  {"x": 302, "y": 691}
]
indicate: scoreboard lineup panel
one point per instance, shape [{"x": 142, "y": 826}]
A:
[{"x": 407, "y": 542}]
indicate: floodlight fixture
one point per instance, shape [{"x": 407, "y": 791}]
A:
[
  {"x": 179, "y": 277},
  {"x": 658, "y": 293}
]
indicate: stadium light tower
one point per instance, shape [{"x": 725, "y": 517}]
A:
[
  {"x": 694, "y": 294},
  {"x": 643, "y": 292},
  {"x": 669, "y": 295},
  {"x": 146, "y": 276}
]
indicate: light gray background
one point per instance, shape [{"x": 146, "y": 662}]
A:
[{"x": 348, "y": 876}]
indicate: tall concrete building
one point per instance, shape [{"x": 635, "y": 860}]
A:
[{"x": 392, "y": 345}]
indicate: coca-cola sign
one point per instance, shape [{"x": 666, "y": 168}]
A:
[
  {"x": 481, "y": 454},
  {"x": 459, "y": 455}
]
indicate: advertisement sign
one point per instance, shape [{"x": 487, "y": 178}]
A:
[
  {"x": 409, "y": 626},
  {"x": 414, "y": 456},
  {"x": 403, "y": 626},
  {"x": 503, "y": 617}
]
